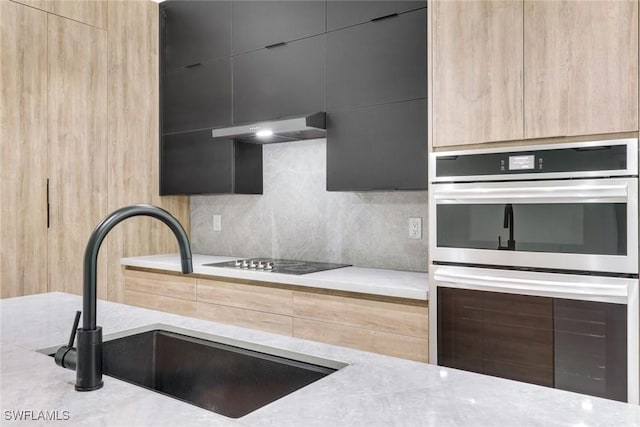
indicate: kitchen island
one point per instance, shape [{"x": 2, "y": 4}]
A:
[{"x": 373, "y": 390}]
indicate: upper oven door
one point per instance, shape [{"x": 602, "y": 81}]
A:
[{"x": 585, "y": 225}]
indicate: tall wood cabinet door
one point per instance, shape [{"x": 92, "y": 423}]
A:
[
  {"x": 581, "y": 67},
  {"x": 477, "y": 71},
  {"x": 77, "y": 146},
  {"x": 23, "y": 150}
]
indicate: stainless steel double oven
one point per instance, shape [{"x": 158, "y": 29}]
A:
[{"x": 534, "y": 264}]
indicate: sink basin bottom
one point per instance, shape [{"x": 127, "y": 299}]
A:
[{"x": 222, "y": 378}]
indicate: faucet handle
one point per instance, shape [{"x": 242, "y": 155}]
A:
[
  {"x": 72, "y": 338},
  {"x": 67, "y": 356}
]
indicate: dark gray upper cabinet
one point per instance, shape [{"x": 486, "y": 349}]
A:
[
  {"x": 377, "y": 62},
  {"x": 197, "y": 97},
  {"x": 192, "y": 163},
  {"x": 281, "y": 81},
  {"x": 194, "y": 31},
  {"x": 258, "y": 24},
  {"x": 382, "y": 147},
  {"x": 342, "y": 14}
]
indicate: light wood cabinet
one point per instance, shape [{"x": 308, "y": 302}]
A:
[
  {"x": 477, "y": 71},
  {"x": 92, "y": 12},
  {"x": 580, "y": 67},
  {"x": 392, "y": 326},
  {"x": 374, "y": 341},
  {"x": 93, "y": 134},
  {"x": 160, "y": 302},
  {"x": 378, "y": 314},
  {"x": 161, "y": 284},
  {"x": 54, "y": 147},
  {"x": 517, "y": 70},
  {"x": 247, "y": 296},
  {"x": 23, "y": 161},
  {"x": 260, "y": 320}
]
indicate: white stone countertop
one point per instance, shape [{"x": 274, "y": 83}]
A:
[
  {"x": 374, "y": 281},
  {"x": 374, "y": 390}
]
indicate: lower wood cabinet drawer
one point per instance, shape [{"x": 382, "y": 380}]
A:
[
  {"x": 241, "y": 295},
  {"x": 174, "y": 286},
  {"x": 160, "y": 303},
  {"x": 405, "y": 319},
  {"x": 363, "y": 339},
  {"x": 390, "y": 326},
  {"x": 262, "y": 321}
]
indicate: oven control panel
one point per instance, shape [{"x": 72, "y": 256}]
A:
[{"x": 609, "y": 157}]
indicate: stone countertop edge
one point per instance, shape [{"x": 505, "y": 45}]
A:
[
  {"x": 373, "y": 390},
  {"x": 372, "y": 281}
]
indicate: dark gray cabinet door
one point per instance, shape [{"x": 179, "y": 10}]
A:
[
  {"x": 195, "y": 31},
  {"x": 193, "y": 163},
  {"x": 382, "y": 147},
  {"x": 258, "y": 24},
  {"x": 342, "y": 14},
  {"x": 378, "y": 62},
  {"x": 197, "y": 97},
  {"x": 282, "y": 81}
]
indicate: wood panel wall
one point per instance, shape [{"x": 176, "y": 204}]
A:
[
  {"x": 77, "y": 135},
  {"x": 133, "y": 43}
]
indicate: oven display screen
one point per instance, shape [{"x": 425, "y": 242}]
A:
[{"x": 522, "y": 162}]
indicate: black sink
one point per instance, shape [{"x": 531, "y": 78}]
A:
[
  {"x": 229, "y": 377},
  {"x": 225, "y": 379}
]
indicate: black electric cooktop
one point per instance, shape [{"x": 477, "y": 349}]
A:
[{"x": 284, "y": 266}]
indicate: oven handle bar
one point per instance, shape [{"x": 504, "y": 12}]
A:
[
  {"x": 558, "y": 288},
  {"x": 616, "y": 193}
]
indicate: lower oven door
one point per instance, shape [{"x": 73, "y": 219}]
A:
[
  {"x": 572, "y": 332},
  {"x": 584, "y": 225}
]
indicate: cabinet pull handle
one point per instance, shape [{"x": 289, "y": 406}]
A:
[
  {"x": 275, "y": 45},
  {"x": 380, "y": 18},
  {"x": 48, "y": 206},
  {"x": 197, "y": 64}
]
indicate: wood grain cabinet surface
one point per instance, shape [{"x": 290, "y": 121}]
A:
[
  {"x": 580, "y": 67},
  {"x": 477, "y": 71},
  {"x": 54, "y": 148},
  {"x": 79, "y": 118},
  {"x": 518, "y": 70},
  {"x": 23, "y": 161},
  {"x": 392, "y": 326}
]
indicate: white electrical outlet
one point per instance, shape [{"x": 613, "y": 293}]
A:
[
  {"x": 415, "y": 228},
  {"x": 217, "y": 222}
]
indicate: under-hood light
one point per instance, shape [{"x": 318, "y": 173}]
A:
[{"x": 264, "y": 133}]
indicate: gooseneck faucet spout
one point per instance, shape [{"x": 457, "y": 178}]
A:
[{"x": 87, "y": 361}]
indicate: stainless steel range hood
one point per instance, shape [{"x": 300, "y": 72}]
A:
[{"x": 282, "y": 130}]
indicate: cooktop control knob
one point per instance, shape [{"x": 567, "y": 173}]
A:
[
  {"x": 253, "y": 264},
  {"x": 260, "y": 265},
  {"x": 244, "y": 264},
  {"x": 268, "y": 266},
  {"x": 237, "y": 263}
]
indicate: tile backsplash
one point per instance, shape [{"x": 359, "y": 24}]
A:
[{"x": 296, "y": 218}]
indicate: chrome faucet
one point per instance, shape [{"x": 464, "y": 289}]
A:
[
  {"x": 508, "y": 223},
  {"x": 87, "y": 359}
]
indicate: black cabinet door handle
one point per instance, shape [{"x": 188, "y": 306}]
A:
[
  {"x": 380, "y": 18},
  {"x": 48, "y": 206},
  {"x": 197, "y": 64},
  {"x": 275, "y": 45}
]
